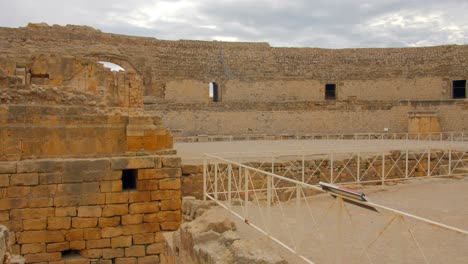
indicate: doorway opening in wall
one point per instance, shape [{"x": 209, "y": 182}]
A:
[
  {"x": 459, "y": 89},
  {"x": 214, "y": 91},
  {"x": 330, "y": 91},
  {"x": 129, "y": 180}
]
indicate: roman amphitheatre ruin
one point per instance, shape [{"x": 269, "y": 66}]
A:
[{"x": 228, "y": 152}]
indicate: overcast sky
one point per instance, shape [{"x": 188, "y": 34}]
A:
[{"x": 299, "y": 23}]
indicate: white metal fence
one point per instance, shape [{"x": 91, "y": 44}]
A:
[
  {"x": 442, "y": 136},
  {"x": 277, "y": 196}
]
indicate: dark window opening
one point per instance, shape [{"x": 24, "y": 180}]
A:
[
  {"x": 40, "y": 75},
  {"x": 129, "y": 179},
  {"x": 70, "y": 253},
  {"x": 459, "y": 89},
  {"x": 330, "y": 92},
  {"x": 214, "y": 91}
]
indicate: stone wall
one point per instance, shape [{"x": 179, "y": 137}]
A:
[
  {"x": 306, "y": 118},
  {"x": 60, "y": 208}
]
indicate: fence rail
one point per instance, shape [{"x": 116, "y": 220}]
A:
[
  {"x": 278, "y": 196},
  {"x": 442, "y": 136}
]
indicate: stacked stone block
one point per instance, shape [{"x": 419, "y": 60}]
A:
[{"x": 60, "y": 207}]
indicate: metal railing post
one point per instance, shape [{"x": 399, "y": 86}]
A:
[
  {"x": 331, "y": 167},
  {"x": 450, "y": 162},
  {"x": 406, "y": 166},
  {"x": 204, "y": 178},
  {"x": 358, "y": 165},
  {"x": 383, "y": 168},
  {"x": 428, "y": 161},
  {"x": 216, "y": 182},
  {"x": 229, "y": 184},
  {"x": 246, "y": 192},
  {"x": 303, "y": 169}
]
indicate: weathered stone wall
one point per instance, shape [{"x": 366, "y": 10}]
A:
[
  {"x": 28, "y": 131},
  {"x": 304, "y": 118},
  {"x": 245, "y": 70},
  {"x": 53, "y": 206}
]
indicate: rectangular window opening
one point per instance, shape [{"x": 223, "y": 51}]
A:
[
  {"x": 129, "y": 180},
  {"x": 459, "y": 89},
  {"x": 214, "y": 91},
  {"x": 70, "y": 254},
  {"x": 330, "y": 92}
]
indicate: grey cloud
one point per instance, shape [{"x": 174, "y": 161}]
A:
[{"x": 318, "y": 23}]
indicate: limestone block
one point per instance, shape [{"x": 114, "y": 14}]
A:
[
  {"x": 135, "y": 251},
  {"x": 66, "y": 211},
  {"x": 110, "y": 253},
  {"x": 163, "y": 216},
  {"x": 35, "y": 224},
  {"x": 56, "y": 223},
  {"x": 33, "y": 248},
  {"x": 171, "y": 205},
  {"x": 123, "y": 163},
  {"x": 115, "y": 209},
  {"x": 189, "y": 169},
  {"x": 9, "y": 203},
  {"x": 50, "y": 178},
  {"x": 4, "y": 216},
  {"x": 40, "y": 202},
  {"x": 169, "y": 184},
  {"x": 44, "y": 191},
  {"x": 91, "y": 253},
  {"x": 143, "y": 239},
  {"x": 170, "y": 226},
  {"x": 99, "y": 243},
  {"x": 77, "y": 245},
  {"x": 126, "y": 261},
  {"x": 111, "y": 186},
  {"x": 84, "y": 222},
  {"x": 148, "y": 174},
  {"x": 165, "y": 195},
  {"x": 32, "y": 237},
  {"x": 77, "y": 188},
  {"x": 141, "y": 208},
  {"x": 92, "y": 233},
  {"x": 171, "y": 162},
  {"x": 42, "y": 257},
  {"x": 148, "y": 259},
  {"x": 108, "y": 232},
  {"x": 24, "y": 179},
  {"x": 4, "y": 180},
  {"x": 122, "y": 241},
  {"x": 18, "y": 191},
  {"x": 147, "y": 185},
  {"x": 31, "y": 213},
  {"x": 117, "y": 198},
  {"x": 138, "y": 197},
  {"x": 58, "y": 247},
  {"x": 89, "y": 211},
  {"x": 141, "y": 228},
  {"x": 155, "y": 249},
  {"x": 74, "y": 235},
  {"x": 7, "y": 167},
  {"x": 246, "y": 251},
  {"x": 132, "y": 219},
  {"x": 109, "y": 221},
  {"x": 28, "y": 166}
]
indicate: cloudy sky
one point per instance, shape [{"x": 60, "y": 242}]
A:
[{"x": 299, "y": 23}]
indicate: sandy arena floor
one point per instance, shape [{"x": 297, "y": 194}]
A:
[{"x": 326, "y": 239}]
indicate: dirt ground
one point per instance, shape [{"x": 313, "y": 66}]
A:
[
  {"x": 193, "y": 153},
  {"x": 327, "y": 231}
]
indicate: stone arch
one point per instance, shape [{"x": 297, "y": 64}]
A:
[{"x": 128, "y": 86}]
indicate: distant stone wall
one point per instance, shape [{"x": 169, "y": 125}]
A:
[
  {"x": 56, "y": 208},
  {"x": 306, "y": 118},
  {"x": 245, "y": 70}
]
